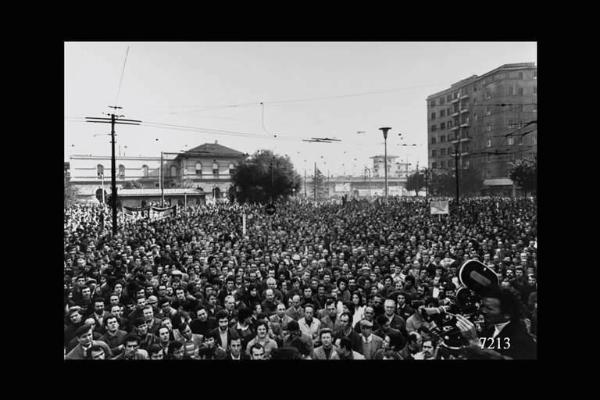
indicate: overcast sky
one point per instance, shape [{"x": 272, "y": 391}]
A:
[{"x": 308, "y": 89}]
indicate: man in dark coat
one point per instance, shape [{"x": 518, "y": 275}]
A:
[
  {"x": 505, "y": 334},
  {"x": 223, "y": 334}
]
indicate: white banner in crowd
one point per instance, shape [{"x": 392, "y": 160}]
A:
[{"x": 440, "y": 207}]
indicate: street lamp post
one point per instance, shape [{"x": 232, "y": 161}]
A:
[
  {"x": 385, "y": 134},
  {"x": 456, "y": 157}
]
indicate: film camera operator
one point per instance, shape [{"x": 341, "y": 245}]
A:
[{"x": 504, "y": 334}]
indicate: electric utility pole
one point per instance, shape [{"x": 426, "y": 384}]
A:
[{"x": 113, "y": 120}]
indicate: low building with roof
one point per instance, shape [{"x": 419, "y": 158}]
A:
[{"x": 198, "y": 176}]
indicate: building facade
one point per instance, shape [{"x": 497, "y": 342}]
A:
[
  {"x": 489, "y": 120},
  {"x": 201, "y": 175}
]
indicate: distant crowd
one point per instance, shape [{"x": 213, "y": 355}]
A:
[{"x": 356, "y": 280}]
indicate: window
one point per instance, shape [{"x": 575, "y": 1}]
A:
[
  {"x": 442, "y": 101},
  {"x": 231, "y": 168},
  {"x": 520, "y": 91},
  {"x": 433, "y": 152},
  {"x": 511, "y": 140},
  {"x": 432, "y": 115},
  {"x": 448, "y": 98},
  {"x": 198, "y": 168},
  {"x": 100, "y": 170},
  {"x": 509, "y": 91},
  {"x": 432, "y": 104},
  {"x": 432, "y": 140},
  {"x": 442, "y": 113},
  {"x": 442, "y": 138},
  {"x": 466, "y": 164},
  {"x": 443, "y": 125},
  {"x": 121, "y": 171},
  {"x": 450, "y": 151},
  {"x": 433, "y": 128},
  {"x": 442, "y": 152},
  {"x": 215, "y": 168},
  {"x": 489, "y": 141},
  {"x": 520, "y": 140},
  {"x": 474, "y": 88},
  {"x": 449, "y": 124},
  {"x": 145, "y": 171},
  {"x": 173, "y": 170},
  {"x": 535, "y": 90},
  {"x": 442, "y": 164},
  {"x": 433, "y": 164},
  {"x": 520, "y": 76}
]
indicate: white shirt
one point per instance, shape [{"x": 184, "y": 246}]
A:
[
  {"x": 369, "y": 339},
  {"x": 498, "y": 328}
]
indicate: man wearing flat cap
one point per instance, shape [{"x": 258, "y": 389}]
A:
[{"x": 370, "y": 342}]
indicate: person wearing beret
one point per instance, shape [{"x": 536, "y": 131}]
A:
[{"x": 84, "y": 337}]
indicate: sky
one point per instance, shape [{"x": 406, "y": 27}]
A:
[{"x": 307, "y": 89}]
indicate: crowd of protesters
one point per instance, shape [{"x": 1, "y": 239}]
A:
[{"x": 358, "y": 280}]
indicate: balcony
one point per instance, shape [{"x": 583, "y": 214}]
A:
[
  {"x": 455, "y": 114},
  {"x": 465, "y": 124},
  {"x": 464, "y": 110},
  {"x": 455, "y": 100},
  {"x": 464, "y": 96},
  {"x": 455, "y": 127}
]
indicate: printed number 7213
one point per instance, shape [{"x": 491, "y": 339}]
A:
[{"x": 495, "y": 344}]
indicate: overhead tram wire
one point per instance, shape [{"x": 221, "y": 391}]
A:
[
  {"x": 122, "y": 73},
  {"x": 275, "y": 102}
]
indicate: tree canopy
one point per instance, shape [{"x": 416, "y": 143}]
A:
[
  {"x": 524, "y": 174},
  {"x": 415, "y": 182},
  {"x": 264, "y": 177},
  {"x": 444, "y": 184}
]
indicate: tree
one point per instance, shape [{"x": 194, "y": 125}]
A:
[
  {"x": 470, "y": 181},
  {"x": 319, "y": 185},
  {"x": 263, "y": 177},
  {"x": 524, "y": 174},
  {"x": 415, "y": 182},
  {"x": 442, "y": 184}
]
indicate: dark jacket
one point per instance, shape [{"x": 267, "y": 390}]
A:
[
  {"x": 231, "y": 334},
  {"x": 203, "y": 328},
  {"x": 522, "y": 346}
]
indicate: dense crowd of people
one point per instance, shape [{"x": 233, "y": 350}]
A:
[{"x": 352, "y": 281}]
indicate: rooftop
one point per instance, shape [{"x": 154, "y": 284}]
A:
[
  {"x": 212, "y": 150},
  {"x": 473, "y": 78}
]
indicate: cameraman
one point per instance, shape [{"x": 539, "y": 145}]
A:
[{"x": 505, "y": 335}]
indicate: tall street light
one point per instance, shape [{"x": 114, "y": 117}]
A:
[{"x": 385, "y": 134}]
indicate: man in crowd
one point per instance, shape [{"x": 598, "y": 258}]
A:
[
  {"x": 85, "y": 343},
  {"x": 370, "y": 342},
  {"x": 327, "y": 351},
  {"x": 113, "y": 336}
]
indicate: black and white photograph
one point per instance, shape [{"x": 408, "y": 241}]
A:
[{"x": 300, "y": 200}]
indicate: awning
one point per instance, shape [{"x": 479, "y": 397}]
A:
[{"x": 498, "y": 182}]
